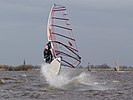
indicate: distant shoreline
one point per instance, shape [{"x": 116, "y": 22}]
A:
[
  {"x": 112, "y": 70},
  {"x": 18, "y": 68},
  {"x": 91, "y": 68}
]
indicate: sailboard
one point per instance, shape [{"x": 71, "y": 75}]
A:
[
  {"x": 116, "y": 68},
  {"x": 61, "y": 37}
]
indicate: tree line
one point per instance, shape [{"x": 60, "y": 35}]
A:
[{"x": 18, "y": 68}]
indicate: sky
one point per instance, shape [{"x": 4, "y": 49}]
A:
[{"x": 103, "y": 30}]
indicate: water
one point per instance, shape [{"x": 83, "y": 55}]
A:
[{"x": 71, "y": 84}]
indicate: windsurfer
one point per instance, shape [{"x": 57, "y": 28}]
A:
[{"x": 47, "y": 53}]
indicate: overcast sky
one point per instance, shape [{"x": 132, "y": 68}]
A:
[{"x": 103, "y": 30}]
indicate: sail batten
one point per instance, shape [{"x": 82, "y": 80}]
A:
[
  {"x": 63, "y": 53},
  {"x": 68, "y": 47},
  {"x": 61, "y": 27},
  {"x": 68, "y": 64},
  {"x": 60, "y": 18},
  {"x": 59, "y": 9},
  {"x": 63, "y": 36}
]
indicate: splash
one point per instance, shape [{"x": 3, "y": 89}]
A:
[
  {"x": 53, "y": 80},
  {"x": 66, "y": 76},
  {"x": 71, "y": 79}
]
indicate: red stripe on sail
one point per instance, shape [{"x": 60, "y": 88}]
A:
[{"x": 50, "y": 34}]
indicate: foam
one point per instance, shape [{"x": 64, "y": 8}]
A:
[
  {"x": 72, "y": 79},
  {"x": 53, "y": 80}
]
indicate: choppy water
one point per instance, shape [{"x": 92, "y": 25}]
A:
[{"x": 71, "y": 84}]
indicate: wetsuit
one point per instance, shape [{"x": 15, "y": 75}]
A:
[{"x": 47, "y": 55}]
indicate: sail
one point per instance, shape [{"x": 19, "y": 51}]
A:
[
  {"x": 116, "y": 66},
  {"x": 60, "y": 35}
]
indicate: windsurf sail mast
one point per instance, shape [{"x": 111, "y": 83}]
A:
[
  {"x": 116, "y": 66},
  {"x": 60, "y": 35}
]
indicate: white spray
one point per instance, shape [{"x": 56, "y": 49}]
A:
[
  {"x": 54, "y": 80},
  {"x": 70, "y": 77}
]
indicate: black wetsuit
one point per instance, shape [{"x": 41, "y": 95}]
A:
[{"x": 47, "y": 55}]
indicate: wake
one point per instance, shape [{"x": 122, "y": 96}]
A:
[{"x": 71, "y": 79}]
